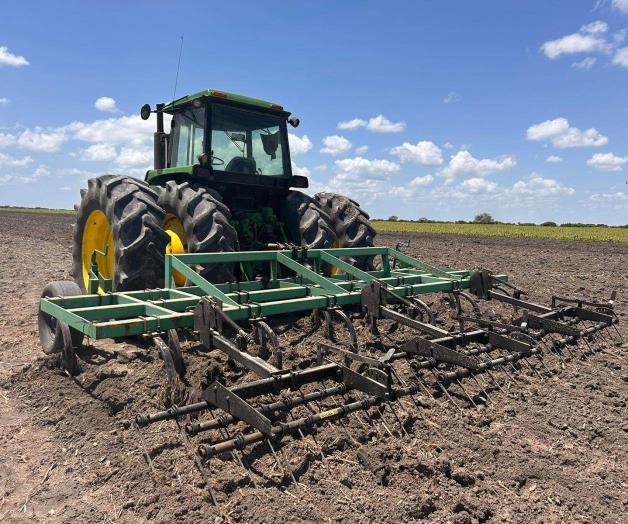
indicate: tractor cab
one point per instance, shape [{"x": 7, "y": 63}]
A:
[{"x": 225, "y": 141}]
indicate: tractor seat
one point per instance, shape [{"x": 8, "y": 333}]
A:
[{"x": 240, "y": 164}]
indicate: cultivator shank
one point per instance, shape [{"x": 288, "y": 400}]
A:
[{"x": 382, "y": 345}]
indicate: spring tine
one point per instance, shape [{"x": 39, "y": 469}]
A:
[
  {"x": 320, "y": 448},
  {"x": 403, "y": 383},
  {"x": 403, "y": 430},
  {"x": 344, "y": 427},
  {"x": 224, "y": 434},
  {"x": 621, "y": 338},
  {"x": 145, "y": 452},
  {"x": 488, "y": 398},
  {"x": 283, "y": 467},
  {"x": 444, "y": 390},
  {"x": 235, "y": 455},
  {"x": 467, "y": 394},
  {"x": 301, "y": 434},
  {"x": 422, "y": 384},
  {"x": 383, "y": 421},
  {"x": 197, "y": 461}
]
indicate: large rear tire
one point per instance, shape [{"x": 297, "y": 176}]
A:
[
  {"x": 307, "y": 224},
  {"x": 351, "y": 225},
  {"x": 198, "y": 222},
  {"x": 119, "y": 215}
]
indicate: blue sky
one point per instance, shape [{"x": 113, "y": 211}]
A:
[{"x": 417, "y": 108}]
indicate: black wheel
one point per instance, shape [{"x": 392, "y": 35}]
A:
[
  {"x": 119, "y": 217},
  {"x": 351, "y": 225},
  {"x": 306, "y": 223},
  {"x": 50, "y": 332},
  {"x": 197, "y": 221}
]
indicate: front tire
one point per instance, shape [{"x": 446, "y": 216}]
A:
[{"x": 119, "y": 216}]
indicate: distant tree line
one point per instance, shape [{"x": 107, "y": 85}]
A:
[{"x": 486, "y": 218}]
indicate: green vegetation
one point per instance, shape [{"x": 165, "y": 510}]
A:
[
  {"x": 37, "y": 210},
  {"x": 586, "y": 232}
]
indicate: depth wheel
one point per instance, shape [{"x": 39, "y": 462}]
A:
[
  {"x": 50, "y": 329},
  {"x": 119, "y": 217}
]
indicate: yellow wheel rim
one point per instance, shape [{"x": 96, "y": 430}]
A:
[
  {"x": 178, "y": 242},
  {"x": 97, "y": 236}
]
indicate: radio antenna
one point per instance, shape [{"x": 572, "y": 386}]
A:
[{"x": 176, "y": 80}]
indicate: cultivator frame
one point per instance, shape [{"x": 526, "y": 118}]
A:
[{"x": 355, "y": 377}]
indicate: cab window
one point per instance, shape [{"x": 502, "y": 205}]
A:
[
  {"x": 246, "y": 141},
  {"x": 187, "y": 136}
]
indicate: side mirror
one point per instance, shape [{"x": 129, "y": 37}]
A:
[
  {"x": 299, "y": 181},
  {"x": 145, "y": 112},
  {"x": 294, "y": 121}
]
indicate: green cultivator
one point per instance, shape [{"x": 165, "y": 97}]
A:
[
  {"x": 367, "y": 374},
  {"x": 216, "y": 247}
]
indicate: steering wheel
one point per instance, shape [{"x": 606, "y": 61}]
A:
[{"x": 217, "y": 161}]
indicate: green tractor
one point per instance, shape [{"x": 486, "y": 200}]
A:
[{"x": 222, "y": 181}]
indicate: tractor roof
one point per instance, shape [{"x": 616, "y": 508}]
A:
[{"x": 223, "y": 95}]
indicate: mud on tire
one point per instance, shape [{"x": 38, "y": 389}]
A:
[
  {"x": 307, "y": 224},
  {"x": 135, "y": 220},
  {"x": 351, "y": 225},
  {"x": 206, "y": 221}
]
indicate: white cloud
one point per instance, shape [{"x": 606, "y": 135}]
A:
[
  {"x": 65, "y": 188},
  {"x": 300, "y": 171},
  {"x": 621, "y": 5},
  {"x": 123, "y": 130},
  {"x": 589, "y": 39},
  {"x": 106, "y": 104},
  {"x": 321, "y": 168},
  {"x": 424, "y": 152},
  {"x": 130, "y": 156},
  {"x": 7, "y": 139},
  {"x": 381, "y": 124},
  {"x": 464, "y": 162},
  {"x": 422, "y": 181},
  {"x": 609, "y": 197},
  {"x": 299, "y": 145},
  {"x": 536, "y": 186},
  {"x": 479, "y": 185},
  {"x": 41, "y": 171},
  {"x": 99, "y": 153},
  {"x": 607, "y": 161},
  {"x": 554, "y": 159},
  {"x": 352, "y": 124},
  {"x": 595, "y": 28},
  {"x": 452, "y": 98},
  {"x": 377, "y": 124},
  {"x": 361, "y": 150},
  {"x": 621, "y": 57},
  {"x": 9, "y": 59},
  {"x": 47, "y": 141},
  {"x": 335, "y": 145},
  {"x": 362, "y": 166},
  {"x": 562, "y": 135},
  {"x": 448, "y": 145},
  {"x": 6, "y": 160},
  {"x": 585, "y": 63},
  {"x": 4, "y": 101}
]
